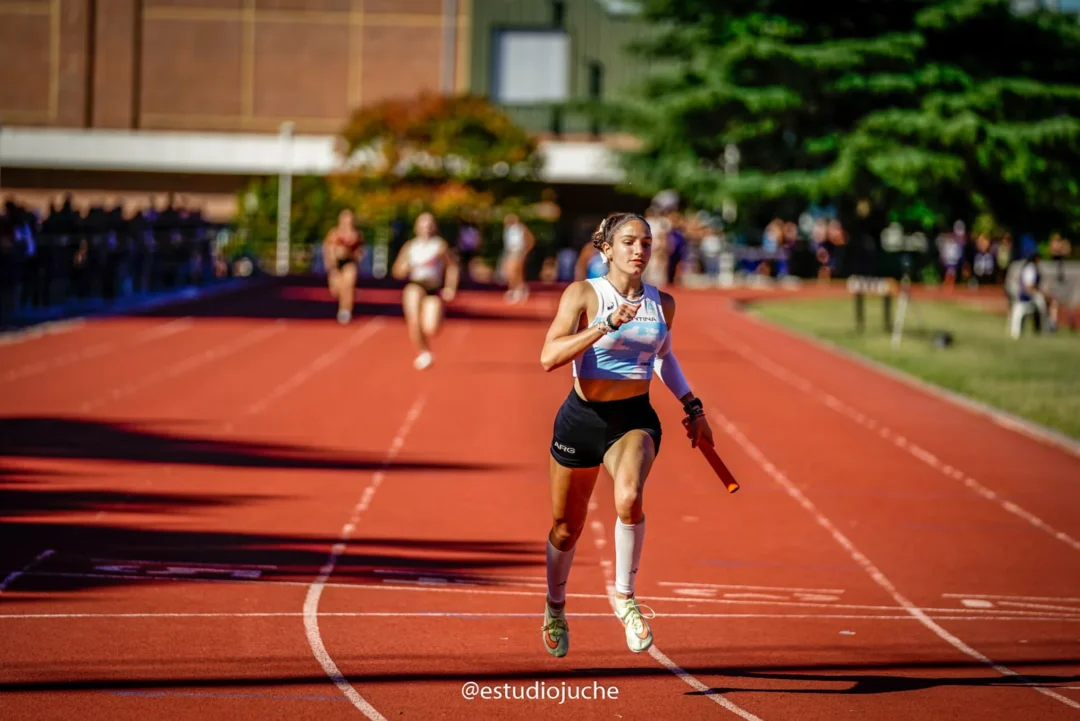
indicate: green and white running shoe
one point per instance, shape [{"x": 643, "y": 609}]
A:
[
  {"x": 638, "y": 634},
  {"x": 556, "y": 631}
]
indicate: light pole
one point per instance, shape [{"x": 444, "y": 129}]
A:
[
  {"x": 731, "y": 167},
  {"x": 284, "y": 198}
]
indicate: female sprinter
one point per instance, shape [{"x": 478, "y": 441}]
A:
[
  {"x": 518, "y": 242},
  {"x": 428, "y": 263},
  {"x": 615, "y": 330},
  {"x": 591, "y": 263},
  {"x": 342, "y": 249}
]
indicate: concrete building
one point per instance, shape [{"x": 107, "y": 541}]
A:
[{"x": 126, "y": 97}]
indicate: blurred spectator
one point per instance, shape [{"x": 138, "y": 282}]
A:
[
  {"x": 99, "y": 257},
  {"x": 1004, "y": 255},
  {"x": 468, "y": 244},
  {"x": 983, "y": 264},
  {"x": 1031, "y": 290},
  {"x": 1060, "y": 249},
  {"x": 712, "y": 245},
  {"x": 951, "y": 252}
]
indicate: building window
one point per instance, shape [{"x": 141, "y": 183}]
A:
[{"x": 530, "y": 66}]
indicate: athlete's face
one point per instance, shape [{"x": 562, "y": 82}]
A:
[
  {"x": 630, "y": 248},
  {"x": 425, "y": 226}
]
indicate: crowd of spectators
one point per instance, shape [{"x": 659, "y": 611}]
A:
[{"x": 71, "y": 257}]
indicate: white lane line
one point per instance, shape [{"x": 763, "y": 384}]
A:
[
  {"x": 315, "y": 589},
  {"x": 600, "y": 541},
  {"x": 1011, "y": 598},
  {"x": 827, "y": 399},
  {"x": 749, "y": 588},
  {"x": 11, "y": 577},
  {"x": 190, "y": 363},
  {"x": 319, "y": 364},
  {"x": 458, "y": 576},
  {"x": 872, "y": 570},
  {"x": 93, "y": 351},
  {"x": 56, "y": 327},
  {"x": 973, "y": 613}
]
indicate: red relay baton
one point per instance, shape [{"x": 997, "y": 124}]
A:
[{"x": 718, "y": 466}]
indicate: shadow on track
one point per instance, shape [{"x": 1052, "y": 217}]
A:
[
  {"x": 76, "y": 511},
  {"x": 890, "y": 680},
  {"x": 307, "y": 298},
  {"x": 74, "y": 438}
]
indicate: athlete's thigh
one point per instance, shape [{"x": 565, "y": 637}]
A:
[
  {"x": 348, "y": 275},
  {"x": 411, "y": 298},
  {"x": 630, "y": 458},
  {"x": 571, "y": 489},
  {"x": 431, "y": 312}
]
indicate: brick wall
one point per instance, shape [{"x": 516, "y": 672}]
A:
[{"x": 220, "y": 64}]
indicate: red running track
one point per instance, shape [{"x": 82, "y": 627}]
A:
[{"x": 237, "y": 508}]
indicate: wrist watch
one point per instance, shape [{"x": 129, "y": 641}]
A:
[
  {"x": 605, "y": 325},
  {"x": 694, "y": 408}
]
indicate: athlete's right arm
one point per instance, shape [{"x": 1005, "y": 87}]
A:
[
  {"x": 564, "y": 342},
  {"x": 401, "y": 263}
]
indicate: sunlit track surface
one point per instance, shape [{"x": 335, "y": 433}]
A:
[{"x": 175, "y": 485}]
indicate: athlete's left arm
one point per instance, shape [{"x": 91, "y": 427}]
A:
[
  {"x": 453, "y": 273},
  {"x": 530, "y": 242},
  {"x": 670, "y": 373},
  {"x": 361, "y": 247}
]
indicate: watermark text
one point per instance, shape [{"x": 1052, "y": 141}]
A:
[{"x": 560, "y": 692}]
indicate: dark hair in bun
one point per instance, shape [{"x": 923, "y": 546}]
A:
[{"x": 611, "y": 223}]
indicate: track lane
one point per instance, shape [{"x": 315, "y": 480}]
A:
[
  {"x": 279, "y": 524},
  {"x": 706, "y": 553}
]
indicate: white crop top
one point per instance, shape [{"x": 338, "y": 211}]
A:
[
  {"x": 425, "y": 259},
  {"x": 629, "y": 352},
  {"x": 514, "y": 238}
]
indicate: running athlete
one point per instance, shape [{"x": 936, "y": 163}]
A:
[
  {"x": 518, "y": 242},
  {"x": 591, "y": 263},
  {"x": 342, "y": 249},
  {"x": 616, "y": 331},
  {"x": 432, "y": 272}
]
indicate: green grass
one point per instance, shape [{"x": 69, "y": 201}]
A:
[{"x": 1035, "y": 377}]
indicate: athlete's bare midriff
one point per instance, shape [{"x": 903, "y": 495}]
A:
[{"x": 603, "y": 389}]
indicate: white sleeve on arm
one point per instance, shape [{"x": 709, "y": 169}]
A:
[{"x": 668, "y": 370}]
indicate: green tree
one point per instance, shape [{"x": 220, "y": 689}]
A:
[
  {"x": 921, "y": 111},
  {"x": 452, "y": 155},
  {"x": 457, "y": 157}
]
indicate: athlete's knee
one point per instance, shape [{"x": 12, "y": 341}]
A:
[
  {"x": 565, "y": 534},
  {"x": 628, "y": 500},
  {"x": 431, "y": 314}
]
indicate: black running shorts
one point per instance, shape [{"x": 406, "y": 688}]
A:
[{"x": 585, "y": 430}]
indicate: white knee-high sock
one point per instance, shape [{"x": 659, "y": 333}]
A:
[
  {"x": 558, "y": 571},
  {"x": 629, "y": 541}
]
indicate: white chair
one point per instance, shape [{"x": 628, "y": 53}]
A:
[{"x": 1019, "y": 309}]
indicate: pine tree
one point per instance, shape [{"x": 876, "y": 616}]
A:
[{"x": 921, "y": 111}]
